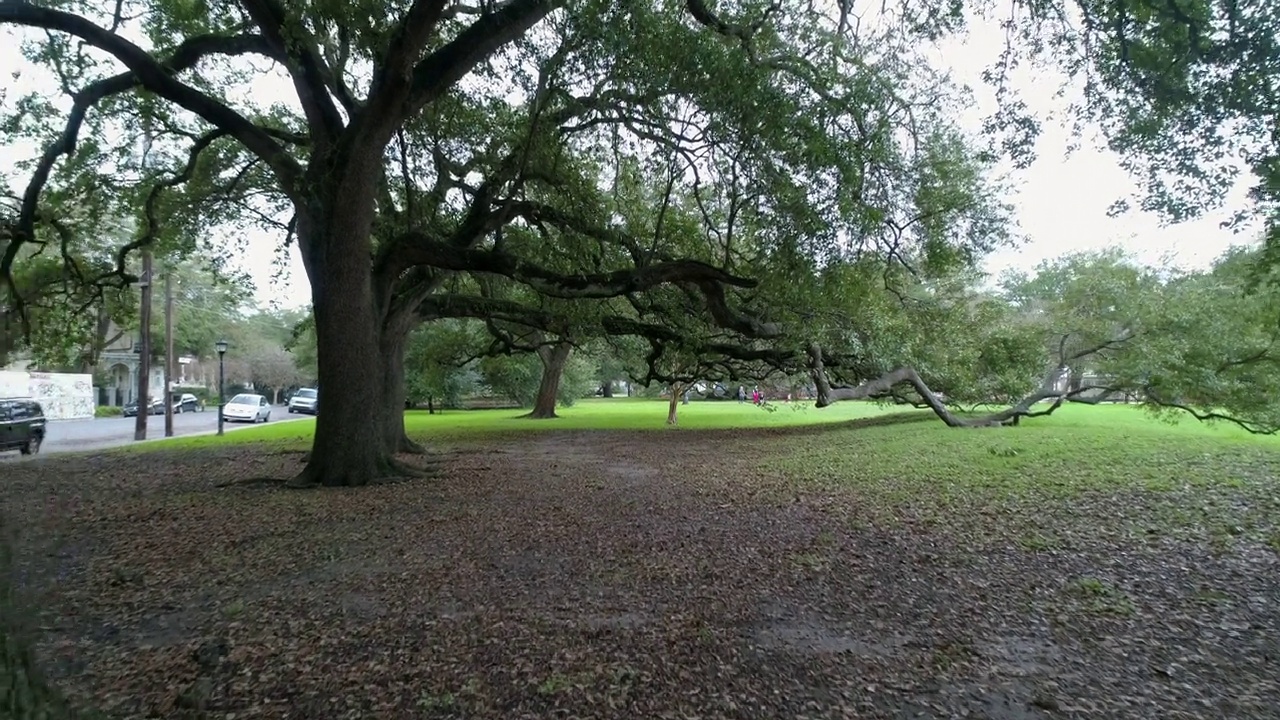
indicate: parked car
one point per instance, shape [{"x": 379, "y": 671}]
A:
[
  {"x": 185, "y": 402},
  {"x": 306, "y": 400},
  {"x": 247, "y": 407},
  {"x": 22, "y": 426},
  {"x": 155, "y": 407}
]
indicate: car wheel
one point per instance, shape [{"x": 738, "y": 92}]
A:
[
  {"x": 31, "y": 447},
  {"x": 267, "y": 419}
]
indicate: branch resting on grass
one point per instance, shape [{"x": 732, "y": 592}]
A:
[
  {"x": 885, "y": 385},
  {"x": 1249, "y": 426}
]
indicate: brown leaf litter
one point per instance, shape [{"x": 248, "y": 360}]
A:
[{"x": 605, "y": 575}]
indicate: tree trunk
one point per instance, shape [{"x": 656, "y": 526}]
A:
[
  {"x": 673, "y": 407},
  {"x": 606, "y": 390},
  {"x": 348, "y": 448},
  {"x": 553, "y": 362},
  {"x": 390, "y": 413}
]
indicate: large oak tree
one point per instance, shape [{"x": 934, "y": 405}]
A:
[{"x": 520, "y": 114}]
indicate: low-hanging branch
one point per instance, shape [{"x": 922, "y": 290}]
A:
[
  {"x": 730, "y": 358},
  {"x": 1253, "y": 428},
  {"x": 885, "y": 385},
  {"x": 119, "y": 273}
]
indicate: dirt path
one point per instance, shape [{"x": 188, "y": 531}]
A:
[{"x": 607, "y": 575}]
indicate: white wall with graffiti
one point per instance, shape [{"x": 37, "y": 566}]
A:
[{"x": 64, "y": 396}]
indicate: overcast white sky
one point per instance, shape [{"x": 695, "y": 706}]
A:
[{"x": 1060, "y": 202}]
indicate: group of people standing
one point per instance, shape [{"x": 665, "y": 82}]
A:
[{"x": 757, "y": 397}]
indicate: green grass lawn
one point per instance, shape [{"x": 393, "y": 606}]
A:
[
  {"x": 591, "y": 414},
  {"x": 1065, "y": 433},
  {"x": 1149, "y": 478}
]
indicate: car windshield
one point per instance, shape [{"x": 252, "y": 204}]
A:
[
  {"x": 306, "y": 394},
  {"x": 244, "y": 400}
]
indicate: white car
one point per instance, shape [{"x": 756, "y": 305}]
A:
[
  {"x": 306, "y": 400},
  {"x": 247, "y": 407}
]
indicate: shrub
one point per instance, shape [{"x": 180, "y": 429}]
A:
[{"x": 107, "y": 411}]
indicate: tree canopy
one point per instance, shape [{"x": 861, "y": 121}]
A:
[{"x": 751, "y": 188}]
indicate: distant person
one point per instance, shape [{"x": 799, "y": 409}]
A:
[{"x": 742, "y": 394}]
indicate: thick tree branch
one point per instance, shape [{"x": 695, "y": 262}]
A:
[
  {"x": 311, "y": 78},
  {"x": 392, "y": 86},
  {"x": 441, "y": 69},
  {"x": 182, "y": 58},
  {"x": 884, "y": 386},
  {"x": 445, "y": 256},
  {"x": 161, "y": 80}
]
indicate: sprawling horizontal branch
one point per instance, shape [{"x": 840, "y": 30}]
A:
[
  {"x": 713, "y": 356},
  {"x": 1254, "y": 428},
  {"x": 884, "y": 386},
  {"x": 453, "y": 305},
  {"x": 445, "y": 256}
]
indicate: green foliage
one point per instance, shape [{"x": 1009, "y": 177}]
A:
[
  {"x": 436, "y": 366},
  {"x": 579, "y": 380},
  {"x": 1031, "y": 476},
  {"x": 107, "y": 411},
  {"x": 70, "y": 316},
  {"x": 514, "y": 377},
  {"x": 1179, "y": 340}
]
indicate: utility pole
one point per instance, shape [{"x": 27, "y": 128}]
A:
[
  {"x": 168, "y": 352},
  {"x": 144, "y": 361}
]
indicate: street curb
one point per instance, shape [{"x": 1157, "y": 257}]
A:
[{"x": 95, "y": 447}]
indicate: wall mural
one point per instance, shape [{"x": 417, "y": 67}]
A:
[{"x": 64, "y": 396}]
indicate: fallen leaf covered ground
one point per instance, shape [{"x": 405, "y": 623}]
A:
[{"x": 626, "y": 575}]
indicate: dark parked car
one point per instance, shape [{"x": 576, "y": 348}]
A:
[
  {"x": 22, "y": 426},
  {"x": 131, "y": 408},
  {"x": 185, "y": 402}
]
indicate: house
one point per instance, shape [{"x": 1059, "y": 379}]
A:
[{"x": 120, "y": 361}]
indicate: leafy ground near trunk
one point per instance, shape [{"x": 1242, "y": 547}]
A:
[{"x": 1094, "y": 565}]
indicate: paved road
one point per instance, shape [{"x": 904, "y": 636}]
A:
[{"x": 101, "y": 433}]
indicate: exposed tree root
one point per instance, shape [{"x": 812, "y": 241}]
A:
[
  {"x": 540, "y": 415},
  {"x": 410, "y": 447},
  {"x": 387, "y": 469}
]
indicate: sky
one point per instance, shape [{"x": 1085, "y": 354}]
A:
[{"x": 1060, "y": 202}]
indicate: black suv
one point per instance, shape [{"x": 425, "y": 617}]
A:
[{"x": 21, "y": 426}]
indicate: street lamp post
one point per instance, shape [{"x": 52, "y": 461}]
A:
[{"x": 221, "y": 346}]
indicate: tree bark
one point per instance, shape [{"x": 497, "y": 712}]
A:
[
  {"x": 673, "y": 407},
  {"x": 553, "y": 361},
  {"x": 606, "y": 390},
  {"x": 390, "y": 414},
  {"x": 348, "y": 448}
]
